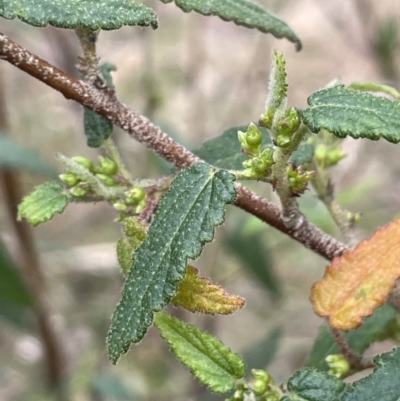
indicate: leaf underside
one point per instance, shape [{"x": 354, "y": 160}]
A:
[
  {"x": 43, "y": 203},
  {"x": 343, "y": 111},
  {"x": 359, "y": 281},
  {"x": 214, "y": 364},
  {"x": 382, "y": 384},
  {"x": 183, "y": 223},
  {"x": 90, "y": 14},
  {"x": 241, "y": 12},
  {"x": 199, "y": 294}
]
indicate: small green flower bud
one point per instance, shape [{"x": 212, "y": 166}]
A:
[
  {"x": 338, "y": 365},
  {"x": 121, "y": 207},
  {"x": 267, "y": 156},
  {"x": 242, "y": 139},
  {"x": 78, "y": 192},
  {"x": 261, "y": 375},
  {"x": 283, "y": 140},
  {"x": 141, "y": 206},
  {"x": 107, "y": 166},
  {"x": 70, "y": 179},
  {"x": 266, "y": 118},
  {"x": 247, "y": 163},
  {"x": 253, "y": 136},
  {"x": 259, "y": 386},
  {"x": 106, "y": 180},
  {"x": 334, "y": 156},
  {"x": 320, "y": 154},
  {"x": 135, "y": 195},
  {"x": 85, "y": 162},
  {"x": 238, "y": 395},
  {"x": 259, "y": 166},
  {"x": 271, "y": 397},
  {"x": 289, "y": 124}
]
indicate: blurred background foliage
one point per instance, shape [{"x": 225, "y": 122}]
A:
[{"x": 195, "y": 77}]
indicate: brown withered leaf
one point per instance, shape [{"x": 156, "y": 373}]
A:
[
  {"x": 359, "y": 281},
  {"x": 199, "y": 294}
]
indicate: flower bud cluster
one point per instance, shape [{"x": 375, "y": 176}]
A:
[
  {"x": 328, "y": 157},
  {"x": 259, "y": 160},
  {"x": 338, "y": 365},
  {"x": 262, "y": 388},
  {"x": 298, "y": 178}
]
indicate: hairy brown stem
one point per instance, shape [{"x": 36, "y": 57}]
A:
[
  {"x": 105, "y": 103},
  {"x": 29, "y": 263}
]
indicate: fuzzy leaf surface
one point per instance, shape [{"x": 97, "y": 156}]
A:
[
  {"x": 214, "y": 364},
  {"x": 90, "y": 14},
  {"x": 183, "y": 223},
  {"x": 15, "y": 156},
  {"x": 241, "y": 12},
  {"x": 383, "y": 383},
  {"x": 225, "y": 151},
  {"x": 359, "y": 281},
  {"x": 199, "y": 294},
  {"x": 303, "y": 155},
  {"x": 374, "y": 328},
  {"x": 343, "y": 111},
  {"x": 97, "y": 128},
  {"x": 43, "y": 203},
  {"x": 311, "y": 385}
]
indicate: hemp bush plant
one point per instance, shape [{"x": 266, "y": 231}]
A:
[{"x": 166, "y": 222}]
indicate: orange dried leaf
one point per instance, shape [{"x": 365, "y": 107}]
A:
[
  {"x": 359, "y": 281},
  {"x": 199, "y": 294}
]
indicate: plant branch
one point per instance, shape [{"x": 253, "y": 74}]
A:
[
  {"x": 30, "y": 269},
  {"x": 105, "y": 103}
]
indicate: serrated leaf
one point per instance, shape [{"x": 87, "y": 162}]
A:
[
  {"x": 359, "y": 281},
  {"x": 303, "y": 155},
  {"x": 310, "y": 385},
  {"x": 374, "y": 328},
  {"x": 183, "y": 223},
  {"x": 241, "y": 12},
  {"x": 90, "y": 14},
  {"x": 343, "y": 111},
  {"x": 214, "y": 364},
  {"x": 383, "y": 383},
  {"x": 15, "y": 156},
  {"x": 43, "y": 203},
  {"x": 105, "y": 70},
  {"x": 225, "y": 151},
  {"x": 199, "y": 294}
]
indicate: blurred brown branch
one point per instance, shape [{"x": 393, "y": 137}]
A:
[{"x": 106, "y": 103}]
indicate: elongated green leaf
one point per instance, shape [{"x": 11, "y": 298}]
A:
[
  {"x": 241, "y": 12},
  {"x": 183, "y": 223},
  {"x": 383, "y": 383},
  {"x": 310, "y": 385},
  {"x": 225, "y": 151},
  {"x": 214, "y": 364},
  {"x": 90, "y": 14},
  {"x": 345, "y": 111},
  {"x": 43, "y": 203},
  {"x": 374, "y": 328},
  {"x": 15, "y": 156}
]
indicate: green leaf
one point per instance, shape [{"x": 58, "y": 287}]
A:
[
  {"x": 343, "y": 111},
  {"x": 225, "y": 151},
  {"x": 214, "y": 364},
  {"x": 105, "y": 70},
  {"x": 241, "y": 12},
  {"x": 310, "y": 385},
  {"x": 90, "y": 14},
  {"x": 43, "y": 203},
  {"x": 97, "y": 128},
  {"x": 304, "y": 154},
  {"x": 374, "y": 328},
  {"x": 250, "y": 250},
  {"x": 383, "y": 383},
  {"x": 183, "y": 223},
  {"x": 16, "y": 156}
]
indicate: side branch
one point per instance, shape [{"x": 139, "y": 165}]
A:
[{"x": 106, "y": 103}]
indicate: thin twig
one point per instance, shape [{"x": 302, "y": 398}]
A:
[
  {"x": 30, "y": 268},
  {"x": 105, "y": 103}
]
